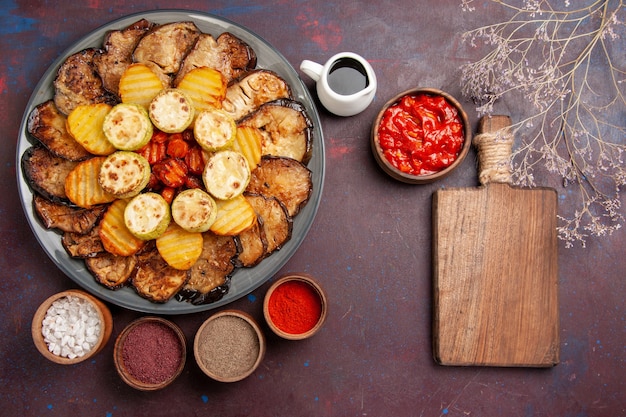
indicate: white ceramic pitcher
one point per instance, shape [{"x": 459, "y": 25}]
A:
[{"x": 345, "y": 84}]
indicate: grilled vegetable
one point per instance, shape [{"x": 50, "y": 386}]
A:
[
  {"x": 49, "y": 126},
  {"x": 233, "y": 216},
  {"x": 66, "y": 218},
  {"x": 228, "y": 54},
  {"x": 226, "y": 174},
  {"x": 194, "y": 210},
  {"x": 110, "y": 270},
  {"x": 77, "y": 82},
  {"x": 206, "y": 87},
  {"x": 276, "y": 223},
  {"x": 286, "y": 129},
  {"x": 46, "y": 173},
  {"x": 178, "y": 247},
  {"x": 147, "y": 216},
  {"x": 246, "y": 94},
  {"x": 83, "y": 245},
  {"x": 252, "y": 245},
  {"x": 127, "y": 126},
  {"x": 154, "y": 279},
  {"x": 214, "y": 130},
  {"x": 124, "y": 174},
  {"x": 116, "y": 237},
  {"x": 117, "y": 53},
  {"x": 166, "y": 45},
  {"x": 139, "y": 85},
  {"x": 284, "y": 178},
  {"x": 82, "y": 187},
  {"x": 85, "y": 124},
  {"x": 210, "y": 275},
  {"x": 171, "y": 111},
  {"x": 248, "y": 142}
]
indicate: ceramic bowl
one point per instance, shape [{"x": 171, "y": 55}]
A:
[
  {"x": 399, "y": 175},
  {"x": 103, "y": 315},
  {"x": 289, "y": 330},
  {"x": 158, "y": 340},
  {"x": 229, "y": 346}
]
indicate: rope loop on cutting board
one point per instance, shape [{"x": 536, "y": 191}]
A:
[{"x": 494, "y": 156}]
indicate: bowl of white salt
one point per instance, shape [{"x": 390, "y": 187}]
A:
[{"x": 71, "y": 327}]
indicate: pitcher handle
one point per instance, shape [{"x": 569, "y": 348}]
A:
[{"x": 312, "y": 69}]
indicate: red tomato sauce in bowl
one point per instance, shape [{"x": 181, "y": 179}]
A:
[{"x": 421, "y": 134}]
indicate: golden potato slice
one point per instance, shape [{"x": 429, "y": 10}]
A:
[
  {"x": 85, "y": 122},
  {"x": 82, "y": 187},
  {"x": 233, "y": 216},
  {"x": 248, "y": 143},
  {"x": 206, "y": 87},
  {"x": 178, "y": 247},
  {"x": 139, "y": 85},
  {"x": 115, "y": 236}
]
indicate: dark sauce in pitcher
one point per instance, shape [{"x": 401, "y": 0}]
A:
[{"x": 347, "y": 77}]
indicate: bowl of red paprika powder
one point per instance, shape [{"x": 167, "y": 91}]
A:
[
  {"x": 295, "y": 307},
  {"x": 421, "y": 135},
  {"x": 150, "y": 353}
]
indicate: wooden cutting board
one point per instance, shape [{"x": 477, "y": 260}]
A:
[{"x": 495, "y": 265}]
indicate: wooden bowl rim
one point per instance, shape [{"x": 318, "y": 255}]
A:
[
  {"x": 104, "y": 315},
  {"x": 420, "y": 179},
  {"x": 119, "y": 362},
  {"x": 308, "y": 279}
]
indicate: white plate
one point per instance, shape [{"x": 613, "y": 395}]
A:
[{"x": 243, "y": 280}]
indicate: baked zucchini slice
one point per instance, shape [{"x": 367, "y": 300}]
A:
[
  {"x": 194, "y": 210},
  {"x": 171, "y": 110},
  {"x": 124, "y": 174},
  {"x": 127, "y": 127},
  {"x": 214, "y": 130},
  {"x": 147, "y": 216},
  {"x": 226, "y": 174}
]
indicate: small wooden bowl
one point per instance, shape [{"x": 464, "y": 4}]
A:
[
  {"x": 317, "y": 290},
  {"x": 122, "y": 367},
  {"x": 229, "y": 346},
  {"x": 104, "y": 315},
  {"x": 394, "y": 172}
]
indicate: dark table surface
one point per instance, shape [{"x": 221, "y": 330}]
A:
[{"x": 369, "y": 246}]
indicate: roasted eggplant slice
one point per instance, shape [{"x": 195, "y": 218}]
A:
[
  {"x": 80, "y": 245},
  {"x": 154, "y": 279},
  {"x": 110, "y": 270},
  {"x": 210, "y": 275},
  {"x": 252, "y": 245},
  {"x": 277, "y": 224},
  {"x": 46, "y": 172},
  {"x": 284, "y": 178},
  {"x": 48, "y": 125},
  {"x": 167, "y": 45},
  {"x": 286, "y": 128},
  {"x": 253, "y": 89},
  {"x": 228, "y": 54},
  {"x": 118, "y": 53},
  {"x": 66, "y": 218},
  {"x": 77, "y": 82}
]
